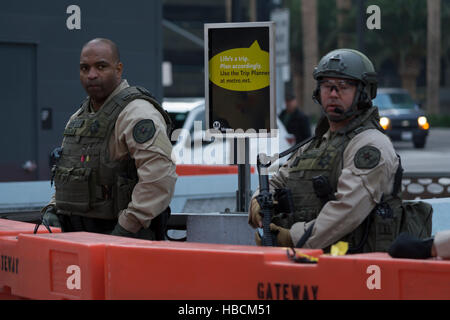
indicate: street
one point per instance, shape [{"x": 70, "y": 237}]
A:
[{"x": 435, "y": 157}]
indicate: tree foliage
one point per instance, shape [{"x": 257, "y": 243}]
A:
[{"x": 403, "y": 31}]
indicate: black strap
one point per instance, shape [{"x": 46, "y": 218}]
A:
[
  {"x": 398, "y": 178},
  {"x": 296, "y": 147},
  {"x": 305, "y": 236},
  {"x": 41, "y": 221}
]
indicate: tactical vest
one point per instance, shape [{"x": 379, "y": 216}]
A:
[
  {"x": 87, "y": 182},
  {"x": 324, "y": 159}
]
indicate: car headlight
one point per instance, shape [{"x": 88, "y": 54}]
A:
[
  {"x": 385, "y": 122},
  {"x": 423, "y": 123}
]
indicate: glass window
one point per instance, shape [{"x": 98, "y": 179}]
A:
[
  {"x": 393, "y": 101},
  {"x": 400, "y": 100}
]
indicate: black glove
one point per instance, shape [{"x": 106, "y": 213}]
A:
[
  {"x": 410, "y": 247},
  {"x": 50, "y": 218},
  {"x": 122, "y": 232}
]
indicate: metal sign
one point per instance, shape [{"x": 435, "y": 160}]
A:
[
  {"x": 240, "y": 78},
  {"x": 281, "y": 19}
]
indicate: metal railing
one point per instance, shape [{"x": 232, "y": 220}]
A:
[{"x": 425, "y": 185}]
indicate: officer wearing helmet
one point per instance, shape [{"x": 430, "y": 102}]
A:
[{"x": 345, "y": 181}]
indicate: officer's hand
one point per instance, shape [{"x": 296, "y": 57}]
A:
[
  {"x": 410, "y": 247},
  {"x": 255, "y": 219},
  {"x": 122, "y": 232},
  {"x": 50, "y": 218},
  {"x": 283, "y": 236}
]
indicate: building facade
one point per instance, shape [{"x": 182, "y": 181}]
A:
[{"x": 40, "y": 43}]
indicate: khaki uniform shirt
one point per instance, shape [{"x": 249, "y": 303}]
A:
[
  {"x": 442, "y": 244},
  {"x": 358, "y": 191},
  {"x": 155, "y": 168}
]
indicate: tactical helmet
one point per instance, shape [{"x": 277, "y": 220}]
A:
[{"x": 349, "y": 64}]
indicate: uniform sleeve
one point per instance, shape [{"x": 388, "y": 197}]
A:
[
  {"x": 442, "y": 244},
  {"x": 151, "y": 150},
  {"x": 359, "y": 189}
]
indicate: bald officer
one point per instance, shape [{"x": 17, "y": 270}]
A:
[{"x": 115, "y": 174}]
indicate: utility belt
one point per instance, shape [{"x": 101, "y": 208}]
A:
[{"x": 76, "y": 223}]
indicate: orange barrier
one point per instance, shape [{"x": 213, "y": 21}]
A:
[
  {"x": 195, "y": 170},
  {"x": 208, "y": 271},
  {"x": 64, "y": 265},
  {"x": 195, "y": 271},
  {"x": 83, "y": 265},
  {"x": 9, "y": 265},
  {"x": 9, "y": 256},
  {"x": 5, "y": 294},
  {"x": 378, "y": 276},
  {"x": 11, "y": 227},
  {"x": 52, "y": 266}
]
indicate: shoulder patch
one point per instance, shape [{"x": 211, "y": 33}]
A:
[
  {"x": 367, "y": 157},
  {"x": 144, "y": 130}
]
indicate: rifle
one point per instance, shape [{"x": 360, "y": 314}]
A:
[
  {"x": 265, "y": 198},
  {"x": 265, "y": 201}
]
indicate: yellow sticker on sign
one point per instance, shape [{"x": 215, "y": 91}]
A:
[{"x": 241, "y": 69}]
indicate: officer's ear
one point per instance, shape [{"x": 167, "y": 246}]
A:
[
  {"x": 119, "y": 69},
  {"x": 364, "y": 100}
]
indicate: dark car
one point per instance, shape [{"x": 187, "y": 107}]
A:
[{"x": 401, "y": 117}]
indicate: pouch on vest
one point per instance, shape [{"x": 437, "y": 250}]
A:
[
  {"x": 379, "y": 229},
  {"x": 284, "y": 201},
  {"x": 417, "y": 218},
  {"x": 76, "y": 190},
  {"x": 386, "y": 222}
]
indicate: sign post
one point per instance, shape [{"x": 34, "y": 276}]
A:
[
  {"x": 281, "y": 17},
  {"x": 240, "y": 90}
]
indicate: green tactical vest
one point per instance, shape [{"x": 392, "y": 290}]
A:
[
  {"x": 87, "y": 182},
  {"x": 376, "y": 233}
]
